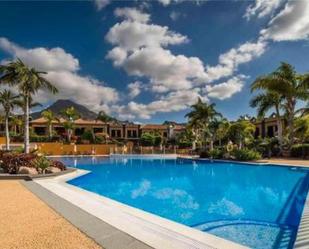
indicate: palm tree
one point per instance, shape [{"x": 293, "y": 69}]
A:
[
  {"x": 290, "y": 86},
  {"x": 302, "y": 128},
  {"x": 102, "y": 116},
  {"x": 201, "y": 115},
  {"x": 70, "y": 115},
  {"x": 266, "y": 101},
  {"x": 223, "y": 130},
  {"x": 49, "y": 116},
  {"x": 241, "y": 131},
  {"x": 8, "y": 102},
  {"x": 28, "y": 81},
  {"x": 213, "y": 128},
  {"x": 17, "y": 122},
  {"x": 22, "y": 103}
]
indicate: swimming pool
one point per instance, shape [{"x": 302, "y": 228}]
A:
[{"x": 257, "y": 206}]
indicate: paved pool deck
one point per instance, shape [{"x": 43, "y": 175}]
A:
[
  {"x": 286, "y": 161},
  {"x": 30, "y": 211},
  {"x": 26, "y": 222}
]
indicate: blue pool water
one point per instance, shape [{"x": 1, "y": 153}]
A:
[{"x": 257, "y": 206}]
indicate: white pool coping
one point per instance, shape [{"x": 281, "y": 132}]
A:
[{"x": 151, "y": 229}]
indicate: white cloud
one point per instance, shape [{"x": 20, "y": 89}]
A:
[
  {"x": 81, "y": 89},
  {"x": 61, "y": 68},
  {"x": 132, "y": 35},
  {"x": 101, "y": 4},
  {"x": 165, "y": 70},
  {"x": 226, "y": 89},
  {"x": 140, "y": 50},
  {"x": 229, "y": 61},
  {"x": 134, "y": 89},
  {"x": 174, "y": 101},
  {"x": 174, "y": 15},
  {"x": 262, "y": 8},
  {"x": 291, "y": 24},
  {"x": 55, "y": 59},
  {"x": 132, "y": 14}
]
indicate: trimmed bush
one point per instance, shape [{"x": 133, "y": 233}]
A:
[
  {"x": 300, "y": 150},
  {"x": 246, "y": 155}
]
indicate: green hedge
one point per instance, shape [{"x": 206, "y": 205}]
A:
[{"x": 300, "y": 150}]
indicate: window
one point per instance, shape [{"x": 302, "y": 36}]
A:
[
  {"x": 41, "y": 131},
  {"x": 132, "y": 134},
  {"x": 113, "y": 134},
  {"x": 129, "y": 134},
  {"x": 116, "y": 133},
  {"x": 270, "y": 131},
  {"x": 59, "y": 130},
  {"x": 79, "y": 131}
]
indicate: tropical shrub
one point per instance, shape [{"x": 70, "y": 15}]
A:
[
  {"x": 41, "y": 163},
  {"x": 300, "y": 150},
  {"x": 246, "y": 155},
  {"x": 148, "y": 139},
  {"x": 12, "y": 161},
  {"x": 88, "y": 136},
  {"x": 216, "y": 153}
]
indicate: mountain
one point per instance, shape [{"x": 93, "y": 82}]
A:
[{"x": 62, "y": 104}]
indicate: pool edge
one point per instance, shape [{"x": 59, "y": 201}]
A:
[{"x": 150, "y": 229}]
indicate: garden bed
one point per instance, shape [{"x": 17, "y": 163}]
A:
[
  {"x": 5, "y": 176},
  {"x": 16, "y": 165}
]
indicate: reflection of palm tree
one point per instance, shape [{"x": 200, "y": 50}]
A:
[
  {"x": 8, "y": 101},
  {"x": 290, "y": 86},
  {"x": 28, "y": 81}
]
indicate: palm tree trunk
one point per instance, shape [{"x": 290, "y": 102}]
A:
[
  {"x": 50, "y": 132},
  {"x": 279, "y": 124},
  {"x": 211, "y": 144},
  {"x": 26, "y": 130},
  {"x": 7, "y": 133},
  {"x": 291, "y": 108},
  {"x": 194, "y": 145},
  {"x": 69, "y": 135}
]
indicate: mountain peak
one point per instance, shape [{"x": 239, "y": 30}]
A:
[{"x": 62, "y": 104}]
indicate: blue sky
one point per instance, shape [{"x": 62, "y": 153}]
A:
[{"x": 148, "y": 61}]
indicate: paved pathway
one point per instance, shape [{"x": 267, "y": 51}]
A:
[
  {"x": 286, "y": 161},
  {"x": 28, "y": 223}
]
